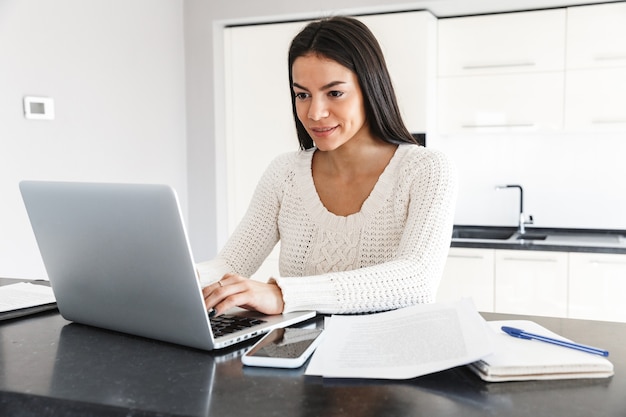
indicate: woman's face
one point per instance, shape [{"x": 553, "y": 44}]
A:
[{"x": 329, "y": 101}]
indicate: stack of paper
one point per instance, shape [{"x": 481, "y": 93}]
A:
[
  {"x": 423, "y": 339},
  {"x": 516, "y": 359},
  {"x": 24, "y": 295},
  {"x": 401, "y": 344}
]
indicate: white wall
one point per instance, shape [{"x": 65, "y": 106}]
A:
[
  {"x": 115, "y": 69},
  {"x": 572, "y": 180}
]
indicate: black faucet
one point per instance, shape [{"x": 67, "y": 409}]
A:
[{"x": 522, "y": 218}]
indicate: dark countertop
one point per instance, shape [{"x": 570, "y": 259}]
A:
[
  {"x": 51, "y": 367},
  {"x": 561, "y": 240}
]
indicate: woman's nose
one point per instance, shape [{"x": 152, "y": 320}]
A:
[{"x": 317, "y": 110}]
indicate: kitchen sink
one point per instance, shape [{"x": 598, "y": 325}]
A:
[
  {"x": 532, "y": 236},
  {"x": 483, "y": 234}
]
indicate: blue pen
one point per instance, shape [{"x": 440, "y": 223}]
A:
[{"x": 512, "y": 331}]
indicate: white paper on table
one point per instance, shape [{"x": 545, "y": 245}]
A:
[
  {"x": 403, "y": 343},
  {"x": 24, "y": 295}
]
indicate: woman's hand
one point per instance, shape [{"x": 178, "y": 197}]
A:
[{"x": 236, "y": 291}]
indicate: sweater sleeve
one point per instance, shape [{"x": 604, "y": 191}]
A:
[{"x": 414, "y": 273}]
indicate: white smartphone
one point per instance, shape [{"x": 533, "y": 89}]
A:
[{"x": 283, "y": 348}]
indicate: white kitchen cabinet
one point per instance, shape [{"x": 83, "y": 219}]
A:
[
  {"x": 501, "y": 73},
  {"x": 531, "y": 282},
  {"x": 595, "y": 100},
  {"x": 560, "y": 284},
  {"x": 502, "y": 43},
  {"x": 469, "y": 272},
  {"x": 595, "y": 36},
  {"x": 501, "y": 103},
  {"x": 258, "y": 107},
  {"x": 409, "y": 44},
  {"x": 597, "y": 286}
]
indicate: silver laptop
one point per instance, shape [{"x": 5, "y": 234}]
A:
[{"x": 117, "y": 257}]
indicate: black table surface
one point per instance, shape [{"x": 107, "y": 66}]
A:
[{"x": 49, "y": 367}]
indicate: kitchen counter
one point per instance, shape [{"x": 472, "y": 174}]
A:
[{"x": 540, "y": 239}]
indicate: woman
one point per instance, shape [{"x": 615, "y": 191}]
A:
[{"x": 363, "y": 213}]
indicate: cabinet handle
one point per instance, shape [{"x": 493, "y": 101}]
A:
[
  {"x": 609, "y": 57},
  {"x": 608, "y": 122},
  {"x": 475, "y": 126},
  {"x": 530, "y": 260},
  {"x": 595, "y": 262},
  {"x": 499, "y": 65},
  {"x": 466, "y": 256}
]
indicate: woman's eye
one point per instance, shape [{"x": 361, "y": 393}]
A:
[
  {"x": 335, "y": 93},
  {"x": 301, "y": 96}
]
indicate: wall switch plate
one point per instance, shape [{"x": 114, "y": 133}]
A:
[{"x": 39, "y": 108}]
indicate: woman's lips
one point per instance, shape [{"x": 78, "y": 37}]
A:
[{"x": 323, "y": 131}]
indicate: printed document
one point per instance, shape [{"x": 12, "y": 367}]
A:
[
  {"x": 24, "y": 295},
  {"x": 403, "y": 343}
]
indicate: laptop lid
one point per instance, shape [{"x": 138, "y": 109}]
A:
[{"x": 118, "y": 257}]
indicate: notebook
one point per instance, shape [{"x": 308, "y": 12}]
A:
[
  {"x": 517, "y": 359},
  {"x": 118, "y": 257}
]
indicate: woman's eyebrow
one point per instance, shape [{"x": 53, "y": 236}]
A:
[{"x": 325, "y": 87}]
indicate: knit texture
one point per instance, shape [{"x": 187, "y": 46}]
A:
[{"x": 390, "y": 254}]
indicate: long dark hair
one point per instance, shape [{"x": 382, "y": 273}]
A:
[{"x": 350, "y": 43}]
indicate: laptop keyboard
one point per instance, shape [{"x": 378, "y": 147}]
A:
[{"x": 225, "y": 324}]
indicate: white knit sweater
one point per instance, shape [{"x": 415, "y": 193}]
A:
[{"x": 390, "y": 254}]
